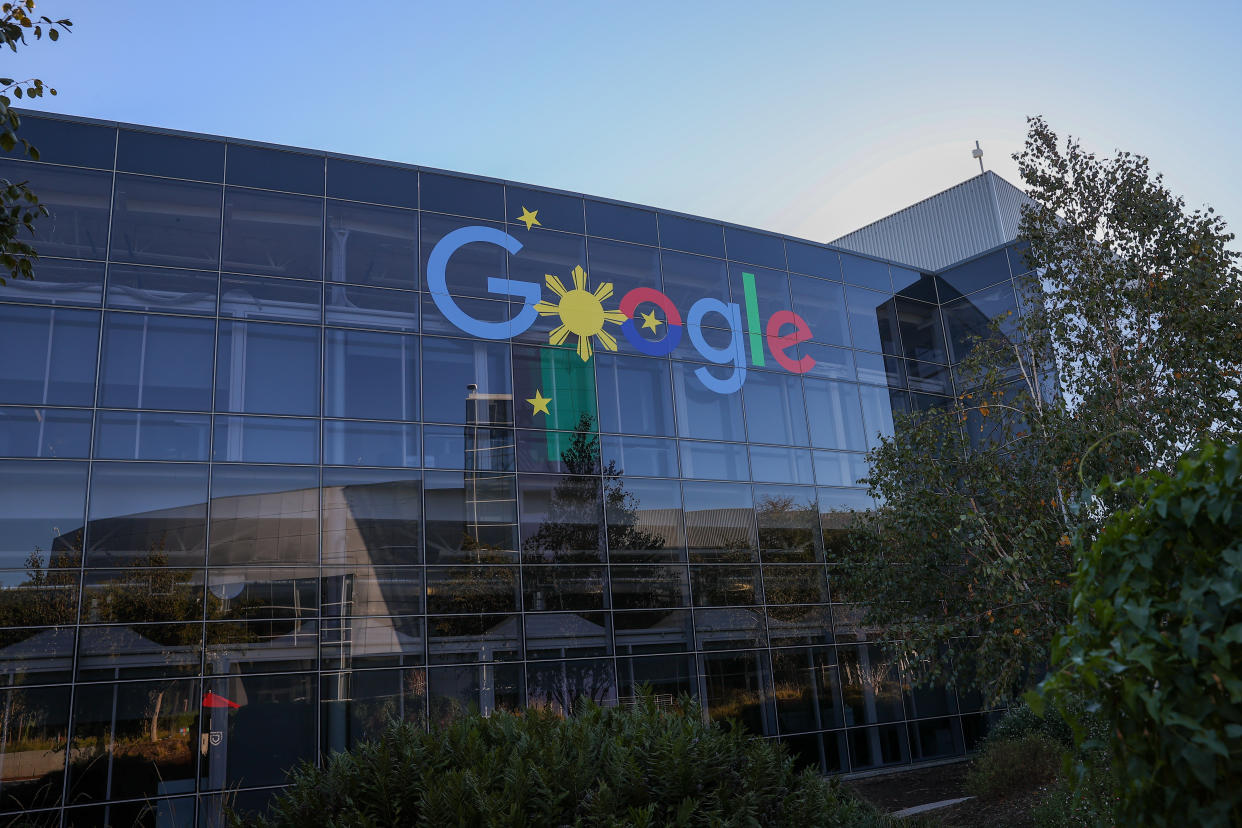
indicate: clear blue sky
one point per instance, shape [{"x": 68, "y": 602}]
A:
[{"x": 808, "y": 118}]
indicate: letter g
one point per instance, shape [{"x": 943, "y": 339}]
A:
[{"x": 438, "y": 285}]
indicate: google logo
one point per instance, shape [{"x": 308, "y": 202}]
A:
[{"x": 583, "y": 315}]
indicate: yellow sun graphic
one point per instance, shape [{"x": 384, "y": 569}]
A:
[{"x": 581, "y": 312}]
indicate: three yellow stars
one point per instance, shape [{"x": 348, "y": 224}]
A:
[
  {"x": 650, "y": 322},
  {"x": 539, "y": 403},
  {"x": 528, "y": 217}
]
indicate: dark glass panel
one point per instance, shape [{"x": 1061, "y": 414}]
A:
[
  {"x": 470, "y": 267},
  {"x": 162, "y": 222},
  {"x": 565, "y": 686},
  {"x": 1018, "y": 262},
  {"x": 141, "y": 651},
  {"x": 568, "y": 384},
  {"x": 57, "y": 282},
  {"x": 616, "y": 221},
  {"x": 282, "y": 300},
  {"x": 275, "y": 169},
  {"x": 132, "y": 435},
  {"x": 622, "y": 380},
  {"x": 364, "y": 589},
  {"x": 625, "y": 266},
  {"x": 923, "y": 376},
  {"x": 688, "y": 279},
  {"x": 372, "y": 245},
  {"x": 830, "y": 362},
  {"x": 771, "y": 295},
  {"x": 372, "y": 517},
  {"x": 563, "y": 588},
  {"x": 162, "y": 290},
  {"x": 739, "y": 686},
  {"x": 812, "y": 259},
  {"x": 133, "y": 741},
  {"x": 822, "y": 305},
  {"x": 777, "y": 464},
  {"x": 968, "y": 319},
  {"x": 667, "y": 678},
  {"x": 473, "y": 588},
  {"x": 471, "y": 517},
  {"x": 720, "y": 522},
  {"x": 808, "y": 692},
  {"x": 794, "y": 584},
  {"x": 927, "y": 402},
  {"x": 351, "y": 306},
  {"x": 358, "y": 181},
  {"x": 357, "y": 643},
  {"x": 873, "y": 747},
  {"x": 477, "y": 448},
  {"x": 756, "y": 248},
  {"x": 474, "y": 638},
  {"x": 649, "y": 586},
  {"x": 264, "y": 514},
  {"x": 567, "y": 635},
  {"x": 775, "y": 411},
  {"x": 38, "y": 596},
  {"x": 880, "y": 369},
  {"x": 38, "y": 723},
  {"x": 640, "y": 456},
  {"x": 703, "y": 413},
  {"x": 49, "y": 355},
  {"x": 467, "y": 381},
  {"x": 879, "y": 406},
  {"x": 44, "y": 432},
  {"x": 553, "y": 211},
  {"x": 866, "y": 272},
  {"x": 488, "y": 310},
  {"x": 974, "y": 275},
  {"x": 150, "y": 593},
  {"x": 835, "y": 507},
  {"x": 147, "y": 514},
  {"x": 921, "y": 335},
  {"x": 69, "y": 142},
  {"x": 716, "y": 585},
  {"x": 928, "y": 700},
  {"x": 840, "y": 468},
  {"x": 797, "y": 625},
  {"x": 462, "y": 196},
  {"x": 370, "y": 375},
  {"x": 476, "y": 688},
  {"x": 37, "y": 655},
  {"x": 273, "y": 234},
  {"x": 935, "y": 739},
  {"x": 788, "y": 524},
  {"x": 41, "y": 512},
  {"x": 272, "y": 729},
  {"x": 156, "y": 362},
  {"x": 350, "y": 443},
  {"x": 653, "y": 631},
  {"x": 558, "y": 452},
  {"x": 914, "y": 285},
  {"x": 261, "y": 646},
  {"x": 265, "y": 440},
  {"x": 77, "y": 203},
  {"x": 835, "y": 415},
  {"x": 282, "y": 594},
  {"x": 267, "y": 368},
  {"x": 169, "y": 155},
  {"x": 644, "y": 520},
  {"x": 562, "y": 518},
  {"x": 714, "y": 461},
  {"x": 871, "y": 681},
  {"x": 358, "y": 706},
  {"x": 873, "y": 320},
  {"x": 681, "y": 233}
]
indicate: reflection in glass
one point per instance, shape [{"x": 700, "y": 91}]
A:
[
  {"x": 562, "y": 518},
  {"x": 466, "y": 381},
  {"x": 347, "y": 643},
  {"x": 272, "y": 728},
  {"x": 141, "y": 651},
  {"x": 775, "y": 411},
  {"x": 835, "y": 415},
  {"x": 871, "y": 681},
  {"x": 162, "y": 290},
  {"x": 477, "y": 448},
  {"x": 267, "y": 368},
  {"x": 156, "y": 362},
  {"x": 473, "y": 588},
  {"x": 44, "y": 432},
  {"x": 833, "y": 468},
  {"x": 470, "y": 267},
  {"x": 567, "y": 635},
  {"x": 273, "y": 234},
  {"x": 471, "y": 516},
  {"x": 653, "y": 631},
  {"x": 667, "y": 677},
  {"x": 790, "y": 626},
  {"x": 36, "y": 725},
  {"x": 563, "y": 686},
  {"x": 479, "y": 688},
  {"x": 729, "y": 628},
  {"x": 148, "y": 514},
  {"x": 725, "y": 585},
  {"x": 357, "y": 706},
  {"x": 370, "y": 245},
  {"x": 77, "y": 202},
  {"x": 701, "y": 412},
  {"x": 775, "y": 464},
  {"x": 873, "y": 320},
  {"x": 739, "y": 686},
  {"x": 371, "y": 517},
  {"x": 41, "y": 512},
  {"x": 788, "y": 524},
  {"x": 264, "y": 514},
  {"x": 624, "y": 379},
  {"x": 280, "y": 300},
  {"x": 58, "y": 282},
  {"x": 562, "y": 588},
  {"x": 370, "y": 375},
  {"x": 922, "y": 337},
  {"x": 265, "y": 440},
  {"x": 640, "y": 456},
  {"x": 644, "y": 520},
  {"x": 163, "y": 222},
  {"x": 351, "y": 443},
  {"x": 648, "y": 586},
  {"x": 453, "y": 639},
  {"x": 872, "y": 747},
  {"x": 38, "y": 596},
  {"x": 353, "y": 306},
  {"x": 720, "y": 522},
  {"x": 808, "y": 692},
  {"x": 713, "y": 461},
  {"x": 49, "y": 355}
]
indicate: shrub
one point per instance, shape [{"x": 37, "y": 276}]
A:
[
  {"x": 1089, "y": 801},
  {"x": 603, "y": 767},
  {"x": 1014, "y": 765},
  {"x": 1155, "y": 642}
]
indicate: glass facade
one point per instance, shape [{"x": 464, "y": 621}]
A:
[{"x": 262, "y": 488}]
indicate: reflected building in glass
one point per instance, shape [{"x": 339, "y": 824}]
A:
[{"x": 260, "y": 494}]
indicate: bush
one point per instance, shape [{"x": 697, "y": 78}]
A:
[
  {"x": 1015, "y": 765},
  {"x": 603, "y": 767},
  {"x": 1155, "y": 642},
  {"x": 1088, "y": 802},
  {"x": 1020, "y": 721}
]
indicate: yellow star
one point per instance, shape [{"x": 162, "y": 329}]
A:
[
  {"x": 650, "y": 322},
  {"x": 539, "y": 403},
  {"x": 528, "y": 216}
]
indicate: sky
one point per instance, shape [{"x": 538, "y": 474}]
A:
[{"x": 806, "y": 118}]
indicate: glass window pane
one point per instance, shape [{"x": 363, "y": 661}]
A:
[
  {"x": 714, "y": 461},
  {"x": 880, "y": 369},
  {"x": 624, "y": 379},
  {"x": 136, "y": 435},
  {"x": 275, "y": 169},
  {"x": 351, "y": 306},
  {"x": 461, "y": 196},
  {"x": 556, "y": 452},
  {"x": 653, "y": 631},
  {"x": 649, "y": 587},
  {"x": 375, "y": 246},
  {"x": 822, "y": 305},
  {"x": 565, "y": 381},
  {"x": 775, "y": 412},
  {"x": 173, "y": 156},
  {"x": 264, "y": 514},
  {"x": 466, "y": 381},
  {"x": 44, "y": 432},
  {"x": 147, "y": 513},
  {"x": 470, "y": 267},
  {"x": 800, "y": 624},
  {"x": 372, "y": 590},
  {"x": 282, "y": 300},
  {"x": 564, "y": 686},
  {"x": 923, "y": 376},
  {"x": 49, "y": 355},
  {"x": 162, "y": 290},
  {"x": 830, "y": 362},
  {"x": 720, "y": 522},
  {"x": 717, "y": 585},
  {"x": 835, "y": 415},
  {"x": 357, "y": 706},
  {"x": 156, "y": 362},
  {"x": 41, "y": 513},
  {"x": 871, "y": 681},
  {"x": 921, "y": 335},
  {"x": 273, "y": 234},
  {"x": 702, "y": 412},
  {"x": 644, "y": 520},
  {"x": 840, "y": 468},
  {"x": 771, "y": 292},
  {"x": 58, "y": 282},
  {"x": 272, "y": 731},
  {"x": 878, "y": 405},
  {"x": 616, "y": 221},
  {"x": 808, "y": 691},
  {"x": 553, "y": 211},
  {"x": 813, "y": 259},
  {"x": 454, "y": 691},
  {"x": 265, "y": 440},
  {"x": 474, "y": 638},
  {"x": 563, "y": 588},
  {"x": 777, "y": 464},
  {"x": 788, "y": 525},
  {"x": 67, "y": 142},
  {"x": 873, "y": 321},
  {"x": 358, "y": 181},
  {"x": 681, "y": 233},
  {"x": 35, "y": 783},
  {"x": 473, "y": 589},
  {"x": 866, "y": 272},
  {"x": 471, "y": 517},
  {"x": 668, "y": 677},
  {"x": 562, "y": 518},
  {"x": 371, "y": 375},
  {"x": 372, "y": 517},
  {"x": 756, "y": 248},
  {"x": 349, "y": 443},
  {"x": 971, "y": 317},
  {"x": 739, "y": 686},
  {"x": 687, "y": 279},
  {"x": 77, "y": 201},
  {"x": 973, "y": 275},
  {"x": 266, "y": 368},
  {"x": 640, "y": 456},
  {"x": 625, "y": 266},
  {"x": 162, "y": 222},
  {"x": 729, "y": 629},
  {"x": 476, "y": 448},
  {"x": 567, "y": 635},
  {"x": 346, "y": 643}
]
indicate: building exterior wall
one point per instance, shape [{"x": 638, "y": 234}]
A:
[{"x": 259, "y": 491}]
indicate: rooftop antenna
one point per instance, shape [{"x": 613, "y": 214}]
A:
[{"x": 977, "y": 153}]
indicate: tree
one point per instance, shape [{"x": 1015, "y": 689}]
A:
[
  {"x": 19, "y": 206},
  {"x": 1128, "y": 350}
]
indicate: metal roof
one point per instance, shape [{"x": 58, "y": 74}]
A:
[{"x": 970, "y": 218}]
